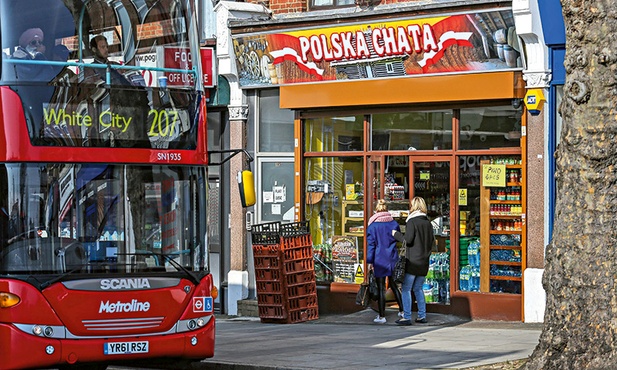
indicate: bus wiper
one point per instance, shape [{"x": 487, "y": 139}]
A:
[
  {"x": 169, "y": 258},
  {"x": 59, "y": 277},
  {"x": 189, "y": 273}
]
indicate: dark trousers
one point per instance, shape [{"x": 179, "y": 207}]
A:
[{"x": 381, "y": 285}]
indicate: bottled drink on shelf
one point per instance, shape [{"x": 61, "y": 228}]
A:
[
  {"x": 464, "y": 277},
  {"x": 475, "y": 279}
]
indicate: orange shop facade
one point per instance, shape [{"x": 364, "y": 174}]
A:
[{"x": 418, "y": 105}]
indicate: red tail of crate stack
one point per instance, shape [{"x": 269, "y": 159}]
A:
[{"x": 284, "y": 272}]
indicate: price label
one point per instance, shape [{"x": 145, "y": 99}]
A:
[{"x": 494, "y": 175}]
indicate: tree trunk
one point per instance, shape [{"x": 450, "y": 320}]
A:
[{"x": 581, "y": 261}]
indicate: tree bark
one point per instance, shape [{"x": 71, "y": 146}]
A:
[{"x": 580, "y": 276}]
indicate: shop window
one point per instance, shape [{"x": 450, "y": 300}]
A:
[
  {"x": 329, "y": 4},
  {"x": 425, "y": 130},
  {"x": 334, "y": 205},
  {"x": 276, "y": 125},
  {"x": 491, "y": 127},
  {"x": 491, "y": 223},
  {"x": 334, "y": 134}
]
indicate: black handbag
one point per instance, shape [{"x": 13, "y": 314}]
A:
[
  {"x": 399, "y": 268},
  {"x": 362, "y": 298},
  {"x": 373, "y": 289}
]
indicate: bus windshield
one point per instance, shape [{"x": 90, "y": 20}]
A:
[
  {"x": 99, "y": 73},
  {"x": 112, "y": 219}
]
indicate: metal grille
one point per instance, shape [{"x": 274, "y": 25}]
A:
[{"x": 123, "y": 324}]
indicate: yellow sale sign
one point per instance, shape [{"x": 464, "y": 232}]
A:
[{"x": 494, "y": 175}]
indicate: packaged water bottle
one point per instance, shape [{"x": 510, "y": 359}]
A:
[
  {"x": 471, "y": 254},
  {"x": 464, "y": 278},
  {"x": 435, "y": 291},
  {"x": 474, "y": 253},
  {"x": 427, "y": 289},
  {"x": 438, "y": 274},
  {"x": 477, "y": 279},
  {"x": 468, "y": 277}
]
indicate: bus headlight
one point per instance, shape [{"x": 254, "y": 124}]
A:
[
  {"x": 8, "y": 299},
  {"x": 43, "y": 331},
  {"x": 191, "y": 325},
  {"x": 201, "y": 322}
]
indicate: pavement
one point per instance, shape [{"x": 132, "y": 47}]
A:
[{"x": 353, "y": 341}]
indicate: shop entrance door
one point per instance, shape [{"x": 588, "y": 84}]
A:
[
  {"x": 398, "y": 179},
  {"x": 431, "y": 179}
]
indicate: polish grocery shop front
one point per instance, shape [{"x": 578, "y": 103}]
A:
[{"x": 417, "y": 103}]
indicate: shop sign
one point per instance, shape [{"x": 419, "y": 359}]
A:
[
  {"x": 457, "y": 43},
  {"x": 207, "y": 67},
  {"x": 494, "y": 175},
  {"x": 180, "y": 58}
]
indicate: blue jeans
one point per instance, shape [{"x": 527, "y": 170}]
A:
[{"x": 413, "y": 283}]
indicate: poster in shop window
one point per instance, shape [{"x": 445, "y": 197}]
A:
[{"x": 344, "y": 258}]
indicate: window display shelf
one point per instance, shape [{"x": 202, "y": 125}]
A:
[
  {"x": 505, "y": 263},
  {"x": 354, "y": 233},
  {"x": 502, "y": 229},
  {"x": 497, "y": 201},
  {"x": 353, "y": 216},
  {"x": 504, "y": 232},
  {"x": 506, "y": 278},
  {"x": 506, "y": 247}
]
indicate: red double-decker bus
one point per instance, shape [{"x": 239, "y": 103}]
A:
[{"x": 103, "y": 176}]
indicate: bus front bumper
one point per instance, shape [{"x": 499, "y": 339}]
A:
[{"x": 21, "y": 350}]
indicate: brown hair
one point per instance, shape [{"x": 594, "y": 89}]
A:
[
  {"x": 94, "y": 41},
  {"x": 418, "y": 204}
]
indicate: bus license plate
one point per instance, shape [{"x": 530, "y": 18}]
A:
[{"x": 125, "y": 348}]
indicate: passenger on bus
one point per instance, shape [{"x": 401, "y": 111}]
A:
[
  {"x": 31, "y": 47},
  {"x": 60, "y": 53},
  {"x": 100, "y": 48}
]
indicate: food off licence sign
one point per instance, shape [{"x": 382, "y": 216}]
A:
[{"x": 181, "y": 58}]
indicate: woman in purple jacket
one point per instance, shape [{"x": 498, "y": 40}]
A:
[{"x": 382, "y": 254}]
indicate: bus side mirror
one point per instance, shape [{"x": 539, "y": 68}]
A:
[{"x": 247, "y": 188}]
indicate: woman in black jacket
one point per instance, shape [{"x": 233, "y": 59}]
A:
[{"x": 419, "y": 240}]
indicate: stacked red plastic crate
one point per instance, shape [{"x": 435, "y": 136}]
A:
[{"x": 284, "y": 272}]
